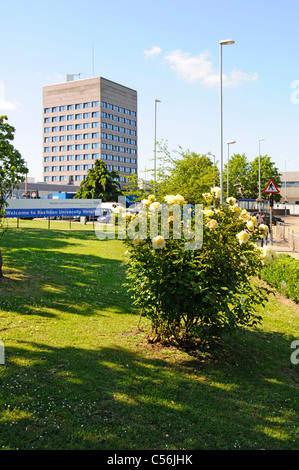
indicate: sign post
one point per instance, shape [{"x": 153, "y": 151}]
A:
[{"x": 271, "y": 189}]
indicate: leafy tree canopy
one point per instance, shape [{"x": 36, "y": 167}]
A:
[
  {"x": 189, "y": 174},
  {"x": 12, "y": 166},
  {"x": 100, "y": 184},
  {"x": 244, "y": 176}
]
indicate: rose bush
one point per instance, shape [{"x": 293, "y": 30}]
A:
[{"x": 191, "y": 293}]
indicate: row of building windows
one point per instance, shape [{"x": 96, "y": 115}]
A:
[
  {"x": 118, "y": 108},
  {"x": 291, "y": 184},
  {"x": 123, "y": 169},
  {"x": 69, "y": 107},
  {"x": 94, "y": 135},
  {"x": 72, "y": 127},
  {"x": 89, "y": 104},
  {"x": 74, "y": 178},
  {"x": 72, "y": 117},
  {"x": 88, "y": 156},
  {"x": 89, "y": 125},
  {"x": 65, "y": 148}
]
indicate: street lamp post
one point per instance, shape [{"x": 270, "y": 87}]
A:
[
  {"x": 224, "y": 42},
  {"x": 285, "y": 187},
  {"x": 259, "y": 199},
  {"x": 155, "y": 159},
  {"x": 228, "y": 144}
]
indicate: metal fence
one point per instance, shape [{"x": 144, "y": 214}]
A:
[{"x": 290, "y": 235}]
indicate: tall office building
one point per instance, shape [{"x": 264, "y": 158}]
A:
[{"x": 85, "y": 120}]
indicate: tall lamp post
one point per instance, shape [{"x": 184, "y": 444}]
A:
[
  {"x": 260, "y": 197},
  {"x": 285, "y": 187},
  {"x": 224, "y": 42},
  {"x": 155, "y": 160},
  {"x": 228, "y": 144}
]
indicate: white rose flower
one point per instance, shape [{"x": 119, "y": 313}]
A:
[
  {"x": 158, "y": 242},
  {"x": 212, "y": 224},
  {"x": 243, "y": 237}
]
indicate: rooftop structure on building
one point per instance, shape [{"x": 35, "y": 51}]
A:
[{"x": 85, "y": 120}]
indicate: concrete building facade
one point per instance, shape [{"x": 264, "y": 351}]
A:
[
  {"x": 85, "y": 120},
  {"x": 290, "y": 187}
]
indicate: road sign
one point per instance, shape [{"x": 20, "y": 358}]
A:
[{"x": 271, "y": 188}]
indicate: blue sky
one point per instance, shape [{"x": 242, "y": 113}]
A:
[{"x": 166, "y": 50}]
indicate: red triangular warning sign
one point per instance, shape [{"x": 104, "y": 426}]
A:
[{"x": 271, "y": 187}]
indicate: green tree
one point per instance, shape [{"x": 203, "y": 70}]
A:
[
  {"x": 238, "y": 174},
  {"x": 244, "y": 176},
  {"x": 268, "y": 171},
  {"x": 189, "y": 174},
  {"x": 12, "y": 170},
  {"x": 100, "y": 184}
]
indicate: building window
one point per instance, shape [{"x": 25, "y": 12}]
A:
[
  {"x": 78, "y": 106},
  {"x": 70, "y": 117},
  {"x": 78, "y": 177},
  {"x": 70, "y": 107},
  {"x": 95, "y": 104}
]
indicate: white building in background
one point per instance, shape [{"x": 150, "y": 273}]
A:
[
  {"x": 85, "y": 120},
  {"x": 290, "y": 187}
]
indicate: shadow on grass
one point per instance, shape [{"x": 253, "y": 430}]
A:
[
  {"x": 48, "y": 271},
  {"x": 113, "y": 398}
]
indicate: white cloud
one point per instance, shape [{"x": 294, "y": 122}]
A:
[
  {"x": 200, "y": 69},
  {"x": 4, "y": 104},
  {"x": 153, "y": 52}
]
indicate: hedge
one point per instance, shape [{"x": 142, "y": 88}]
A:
[{"x": 283, "y": 275}]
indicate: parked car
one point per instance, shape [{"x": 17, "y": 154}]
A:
[
  {"x": 104, "y": 215},
  {"x": 275, "y": 218}
]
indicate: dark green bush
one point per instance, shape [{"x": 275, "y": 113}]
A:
[{"x": 283, "y": 275}]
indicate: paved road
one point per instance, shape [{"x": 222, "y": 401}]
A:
[{"x": 281, "y": 246}]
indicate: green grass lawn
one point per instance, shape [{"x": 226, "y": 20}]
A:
[{"x": 79, "y": 373}]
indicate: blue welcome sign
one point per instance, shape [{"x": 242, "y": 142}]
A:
[{"x": 28, "y": 208}]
